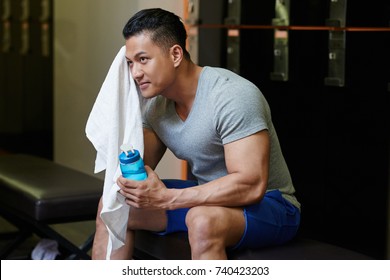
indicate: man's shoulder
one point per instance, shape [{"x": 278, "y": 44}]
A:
[
  {"x": 212, "y": 72},
  {"x": 225, "y": 76},
  {"x": 219, "y": 81}
]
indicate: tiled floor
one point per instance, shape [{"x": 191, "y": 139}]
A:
[{"x": 75, "y": 232}]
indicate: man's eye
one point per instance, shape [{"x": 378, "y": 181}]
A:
[{"x": 143, "y": 59}]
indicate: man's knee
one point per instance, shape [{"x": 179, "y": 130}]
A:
[
  {"x": 204, "y": 230},
  {"x": 201, "y": 221}
]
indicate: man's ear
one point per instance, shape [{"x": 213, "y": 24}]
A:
[{"x": 176, "y": 54}]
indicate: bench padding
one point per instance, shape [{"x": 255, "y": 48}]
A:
[
  {"x": 47, "y": 191},
  {"x": 175, "y": 246},
  {"x": 36, "y": 192}
]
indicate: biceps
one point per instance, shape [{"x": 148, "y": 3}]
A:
[
  {"x": 249, "y": 156},
  {"x": 154, "y": 148}
]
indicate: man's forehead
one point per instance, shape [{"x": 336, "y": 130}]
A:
[{"x": 140, "y": 44}]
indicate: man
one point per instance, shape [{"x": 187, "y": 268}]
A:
[{"x": 221, "y": 125}]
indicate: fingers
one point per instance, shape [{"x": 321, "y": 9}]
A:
[
  {"x": 123, "y": 182},
  {"x": 151, "y": 174},
  {"x": 142, "y": 194},
  {"x": 148, "y": 169},
  {"x": 136, "y": 198}
]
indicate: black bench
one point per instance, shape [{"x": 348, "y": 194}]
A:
[
  {"x": 36, "y": 193},
  {"x": 176, "y": 247}
]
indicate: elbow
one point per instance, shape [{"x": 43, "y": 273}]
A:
[
  {"x": 258, "y": 194},
  {"x": 256, "y": 191}
]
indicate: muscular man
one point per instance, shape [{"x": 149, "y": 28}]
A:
[{"x": 220, "y": 123}]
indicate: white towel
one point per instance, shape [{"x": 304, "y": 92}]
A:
[{"x": 115, "y": 119}]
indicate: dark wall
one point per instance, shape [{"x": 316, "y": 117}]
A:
[
  {"x": 335, "y": 138},
  {"x": 26, "y": 77}
]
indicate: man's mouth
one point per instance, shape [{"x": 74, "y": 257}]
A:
[{"x": 143, "y": 85}]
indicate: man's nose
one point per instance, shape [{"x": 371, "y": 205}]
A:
[{"x": 136, "y": 71}]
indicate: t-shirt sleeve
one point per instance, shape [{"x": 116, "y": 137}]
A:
[{"x": 240, "y": 111}]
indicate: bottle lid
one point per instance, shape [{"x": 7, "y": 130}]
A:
[{"x": 129, "y": 157}]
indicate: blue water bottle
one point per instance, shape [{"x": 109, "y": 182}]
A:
[{"x": 131, "y": 164}]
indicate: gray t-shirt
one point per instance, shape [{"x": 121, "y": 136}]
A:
[{"x": 226, "y": 108}]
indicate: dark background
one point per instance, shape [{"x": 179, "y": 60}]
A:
[{"x": 335, "y": 138}]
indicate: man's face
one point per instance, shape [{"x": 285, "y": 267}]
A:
[{"x": 151, "y": 67}]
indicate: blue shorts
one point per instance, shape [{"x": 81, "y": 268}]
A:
[{"x": 272, "y": 221}]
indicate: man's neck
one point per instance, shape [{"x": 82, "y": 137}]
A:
[{"x": 186, "y": 87}]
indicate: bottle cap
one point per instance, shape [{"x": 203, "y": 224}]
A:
[
  {"x": 129, "y": 156},
  {"x": 127, "y": 148}
]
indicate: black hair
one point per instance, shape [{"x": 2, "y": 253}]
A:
[{"x": 165, "y": 28}]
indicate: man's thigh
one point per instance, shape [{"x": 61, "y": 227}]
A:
[
  {"x": 273, "y": 221},
  {"x": 153, "y": 220},
  {"x": 161, "y": 221}
]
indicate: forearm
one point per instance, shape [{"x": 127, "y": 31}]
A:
[{"x": 230, "y": 191}]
